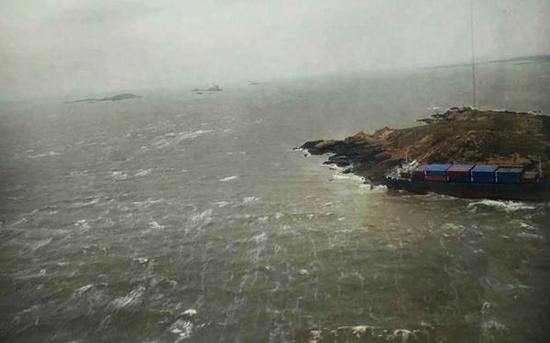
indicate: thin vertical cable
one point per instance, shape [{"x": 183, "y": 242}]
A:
[{"x": 474, "y": 92}]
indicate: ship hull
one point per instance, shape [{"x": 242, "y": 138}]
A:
[{"x": 523, "y": 191}]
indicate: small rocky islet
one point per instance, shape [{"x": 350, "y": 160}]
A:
[
  {"x": 118, "y": 97},
  {"x": 460, "y": 134},
  {"x": 213, "y": 88}
]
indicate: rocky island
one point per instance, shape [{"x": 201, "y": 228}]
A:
[
  {"x": 214, "y": 88},
  {"x": 456, "y": 136},
  {"x": 118, "y": 97}
]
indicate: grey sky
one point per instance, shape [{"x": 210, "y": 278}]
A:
[{"x": 63, "y": 47}]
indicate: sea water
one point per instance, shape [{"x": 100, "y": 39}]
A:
[{"x": 180, "y": 217}]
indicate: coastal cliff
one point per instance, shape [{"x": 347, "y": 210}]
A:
[{"x": 457, "y": 135}]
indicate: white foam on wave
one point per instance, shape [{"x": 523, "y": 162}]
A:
[
  {"x": 82, "y": 224},
  {"x": 80, "y": 291},
  {"x": 431, "y": 196},
  {"x": 46, "y": 154},
  {"x": 40, "y": 274},
  {"x": 315, "y": 336},
  {"x": 360, "y": 329},
  {"x": 205, "y": 217},
  {"x": 351, "y": 177},
  {"x": 260, "y": 238},
  {"x": 190, "y": 312},
  {"x": 143, "y": 172},
  {"x": 41, "y": 243},
  {"x": 20, "y": 221},
  {"x": 221, "y": 204},
  {"x": 146, "y": 203},
  {"x": 141, "y": 260},
  {"x": 403, "y": 334},
  {"x": 348, "y": 176},
  {"x": 173, "y": 138},
  {"x": 530, "y": 236},
  {"x": 250, "y": 199},
  {"x": 303, "y": 272},
  {"x": 527, "y": 226},
  {"x": 130, "y": 299},
  {"x": 508, "y": 206},
  {"x": 304, "y": 151},
  {"x": 183, "y": 328},
  {"x": 493, "y": 325},
  {"x": 373, "y": 188},
  {"x": 119, "y": 175},
  {"x": 333, "y": 167},
  {"x": 229, "y": 178},
  {"x": 155, "y": 226},
  {"x": 88, "y": 202}
]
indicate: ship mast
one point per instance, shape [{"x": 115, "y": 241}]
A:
[{"x": 474, "y": 96}]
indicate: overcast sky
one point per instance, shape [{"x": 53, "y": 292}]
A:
[{"x": 65, "y": 47}]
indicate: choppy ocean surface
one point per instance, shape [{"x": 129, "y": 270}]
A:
[{"x": 178, "y": 217}]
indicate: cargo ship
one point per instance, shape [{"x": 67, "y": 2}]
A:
[{"x": 471, "y": 181}]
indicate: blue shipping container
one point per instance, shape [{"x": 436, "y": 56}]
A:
[
  {"x": 484, "y": 173},
  {"x": 460, "y": 173},
  {"x": 437, "y": 169},
  {"x": 509, "y": 175}
]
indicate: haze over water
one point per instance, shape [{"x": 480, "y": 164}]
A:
[{"x": 117, "y": 217}]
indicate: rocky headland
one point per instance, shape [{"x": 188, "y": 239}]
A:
[{"x": 458, "y": 135}]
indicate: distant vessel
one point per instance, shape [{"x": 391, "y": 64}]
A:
[{"x": 470, "y": 181}]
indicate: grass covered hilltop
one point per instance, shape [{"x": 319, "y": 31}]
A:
[{"x": 458, "y": 135}]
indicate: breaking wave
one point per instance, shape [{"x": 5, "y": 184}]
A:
[
  {"x": 173, "y": 138},
  {"x": 131, "y": 298},
  {"x": 229, "y": 178},
  {"x": 507, "y": 206}
]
